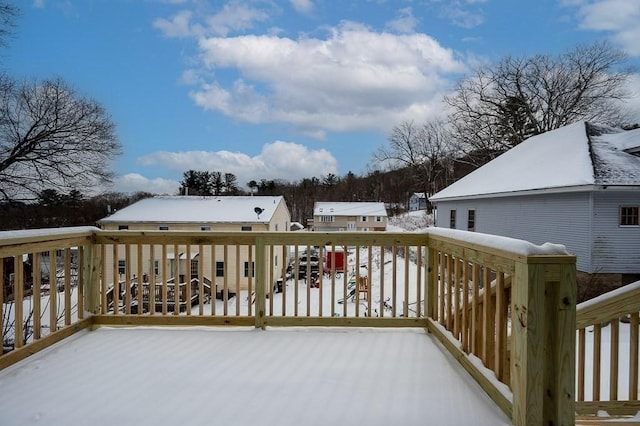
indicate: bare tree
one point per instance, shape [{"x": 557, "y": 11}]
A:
[
  {"x": 426, "y": 149},
  {"x": 8, "y": 13},
  {"x": 499, "y": 106},
  {"x": 230, "y": 184},
  {"x": 50, "y": 137}
]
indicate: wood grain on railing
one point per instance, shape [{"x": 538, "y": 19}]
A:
[
  {"x": 41, "y": 296},
  {"x": 613, "y": 372},
  {"x": 473, "y": 290},
  {"x": 483, "y": 299}
]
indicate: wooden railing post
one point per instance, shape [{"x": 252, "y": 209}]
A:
[
  {"x": 543, "y": 344},
  {"x": 92, "y": 261},
  {"x": 431, "y": 283},
  {"x": 261, "y": 285}
]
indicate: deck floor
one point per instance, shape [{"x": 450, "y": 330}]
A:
[{"x": 243, "y": 376}]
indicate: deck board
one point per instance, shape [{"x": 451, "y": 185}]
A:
[{"x": 242, "y": 376}]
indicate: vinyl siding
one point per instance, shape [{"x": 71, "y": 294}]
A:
[
  {"x": 556, "y": 218},
  {"x": 341, "y": 223},
  {"x": 615, "y": 249}
]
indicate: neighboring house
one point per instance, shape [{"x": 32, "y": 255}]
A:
[
  {"x": 578, "y": 185},
  {"x": 201, "y": 214},
  {"x": 356, "y": 216},
  {"x": 417, "y": 201}
]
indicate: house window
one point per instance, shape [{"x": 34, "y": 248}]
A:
[
  {"x": 163, "y": 228},
  {"x": 471, "y": 220},
  {"x": 122, "y": 266},
  {"x": 364, "y": 218},
  {"x": 378, "y": 218},
  {"x": 246, "y": 269},
  {"x": 246, "y": 228},
  {"x": 629, "y": 216},
  {"x": 219, "y": 269},
  {"x": 156, "y": 267},
  {"x": 327, "y": 218},
  {"x": 123, "y": 227},
  {"x": 452, "y": 219},
  {"x": 194, "y": 268},
  {"x": 205, "y": 228}
]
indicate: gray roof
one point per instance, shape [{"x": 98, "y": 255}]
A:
[{"x": 575, "y": 156}]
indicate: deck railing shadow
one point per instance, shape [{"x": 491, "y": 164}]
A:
[{"x": 504, "y": 308}]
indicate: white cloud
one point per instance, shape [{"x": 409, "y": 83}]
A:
[
  {"x": 302, "y": 6},
  {"x": 38, "y": 4},
  {"x": 354, "y": 79},
  {"x": 461, "y": 16},
  {"x": 235, "y": 16},
  {"x": 177, "y": 26},
  {"x": 134, "y": 182},
  {"x": 618, "y": 17},
  {"x": 633, "y": 104},
  {"x": 232, "y": 17},
  {"x": 278, "y": 160},
  {"x": 405, "y": 22}
]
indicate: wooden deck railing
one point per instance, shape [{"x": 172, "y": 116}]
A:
[
  {"x": 509, "y": 317},
  {"x": 507, "y": 314},
  {"x": 607, "y": 354}
]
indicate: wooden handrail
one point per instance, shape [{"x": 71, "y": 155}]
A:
[
  {"x": 468, "y": 293},
  {"x": 480, "y": 292}
]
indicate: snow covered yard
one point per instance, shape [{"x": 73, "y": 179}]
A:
[
  {"x": 328, "y": 299},
  {"x": 242, "y": 376}
]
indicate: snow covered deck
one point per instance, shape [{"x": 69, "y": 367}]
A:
[
  {"x": 479, "y": 297},
  {"x": 242, "y": 376}
]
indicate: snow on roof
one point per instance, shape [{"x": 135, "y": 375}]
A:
[
  {"x": 563, "y": 158},
  {"x": 349, "y": 209},
  {"x": 189, "y": 209},
  {"x": 612, "y": 163}
]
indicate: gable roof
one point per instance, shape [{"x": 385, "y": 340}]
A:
[
  {"x": 192, "y": 209},
  {"x": 571, "y": 157},
  {"x": 349, "y": 209}
]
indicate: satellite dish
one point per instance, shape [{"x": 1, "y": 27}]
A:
[{"x": 258, "y": 211}]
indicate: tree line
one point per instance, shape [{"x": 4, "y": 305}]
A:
[
  {"x": 53, "y": 209},
  {"x": 498, "y": 106},
  {"x": 392, "y": 187}
]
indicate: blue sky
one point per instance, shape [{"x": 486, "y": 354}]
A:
[{"x": 284, "y": 89}]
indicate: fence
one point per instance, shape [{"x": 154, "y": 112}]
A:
[
  {"x": 607, "y": 368},
  {"x": 505, "y": 309}
]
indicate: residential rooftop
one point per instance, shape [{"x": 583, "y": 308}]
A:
[
  {"x": 199, "y": 209},
  {"x": 578, "y": 155}
]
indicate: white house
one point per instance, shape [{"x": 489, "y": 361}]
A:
[
  {"x": 201, "y": 214},
  {"x": 349, "y": 216},
  {"x": 417, "y": 201},
  {"x": 578, "y": 185}
]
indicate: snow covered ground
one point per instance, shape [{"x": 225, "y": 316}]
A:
[
  {"x": 306, "y": 300},
  {"x": 232, "y": 376}
]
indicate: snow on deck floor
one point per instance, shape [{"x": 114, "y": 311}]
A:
[{"x": 243, "y": 376}]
